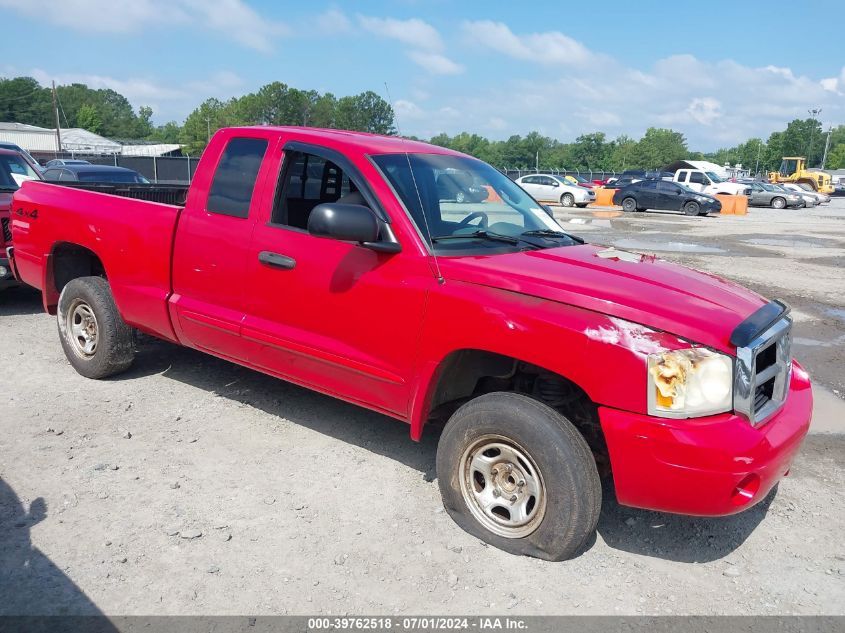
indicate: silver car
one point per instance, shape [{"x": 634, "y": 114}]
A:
[
  {"x": 809, "y": 199},
  {"x": 556, "y": 189},
  {"x": 803, "y": 186},
  {"x": 765, "y": 195}
]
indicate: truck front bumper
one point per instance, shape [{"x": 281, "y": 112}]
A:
[{"x": 711, "y": 466}]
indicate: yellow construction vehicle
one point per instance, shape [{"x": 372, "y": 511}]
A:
[{"x": 793, "y": 169}]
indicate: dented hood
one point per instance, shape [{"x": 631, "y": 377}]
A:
[{"x": 693, "y": 305}]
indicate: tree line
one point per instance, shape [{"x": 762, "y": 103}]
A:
[{"x": 106, "y": 112}]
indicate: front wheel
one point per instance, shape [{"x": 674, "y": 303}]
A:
[
  {"x": 567, "y": 199},
  {"x": 517, "y": 474},
  {"x": 629, "y": 205},
  {"x": 95, "y": 338},
  {"x": 692, "y": 208},
  {"x": 778, "y": 203}
]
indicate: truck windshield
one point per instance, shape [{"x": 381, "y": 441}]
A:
[
  {"x": 714, "y": 177},
  {"x": 465, "y": 204}
]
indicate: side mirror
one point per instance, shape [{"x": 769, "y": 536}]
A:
[
  {"x": 349, "y": 223},
  {"x": 555, "y": 184}
]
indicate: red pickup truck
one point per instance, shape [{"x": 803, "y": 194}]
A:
[{"x": 328, "y": 259}]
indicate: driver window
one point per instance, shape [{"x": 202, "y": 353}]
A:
[
  {"x": 697, "y": 178},
  {"x": 305, "y": 181}
]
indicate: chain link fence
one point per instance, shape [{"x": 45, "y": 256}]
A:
[{"x": 176, "y": 170}]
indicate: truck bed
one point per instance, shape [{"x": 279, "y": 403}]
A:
[
  {"x": 131, "y": 238},
  {"x": 165, "y": 194}
]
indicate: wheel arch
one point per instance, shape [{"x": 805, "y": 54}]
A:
[
  {"x": 469, "y": 372},
  {"x": 68, "y": 261}
]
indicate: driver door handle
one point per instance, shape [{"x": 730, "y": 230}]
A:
[{"x": 277, "y": 260}]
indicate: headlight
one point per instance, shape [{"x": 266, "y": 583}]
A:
[
  {"x": 702, "y": 198},
  {"x": 688, "y": 383}
]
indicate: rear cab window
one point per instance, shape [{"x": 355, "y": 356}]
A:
[{"x": 234, "y": 179}]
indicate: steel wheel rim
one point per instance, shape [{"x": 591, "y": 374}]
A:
[
  {"x": 502, "y": 486},
  {"x": 568, "y": 200},
  {"x": 82, "y": 329}
]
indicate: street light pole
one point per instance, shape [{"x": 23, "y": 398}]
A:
[{"x": 814, "y": 113}]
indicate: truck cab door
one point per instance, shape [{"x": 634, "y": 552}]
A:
[
  {"x": 210, "y": 249},
  {"x": 331, "y": 315},
  {"x": 698, "y": 181}
]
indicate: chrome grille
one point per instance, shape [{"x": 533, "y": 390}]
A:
[
  {"x": 761, "y": 380},
  {"x": 7, "y": 230}
]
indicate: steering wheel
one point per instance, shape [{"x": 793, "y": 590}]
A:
[{"x": 475, "y": 214}]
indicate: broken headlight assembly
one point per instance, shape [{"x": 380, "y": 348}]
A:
[{"x": 689, "y": 383}]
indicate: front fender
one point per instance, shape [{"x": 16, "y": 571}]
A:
[{"x": 605, "y": 356}]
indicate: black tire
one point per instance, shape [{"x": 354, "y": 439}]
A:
[
  {"x": 582, "y": 205},
  {"x": 87, "y": 312},
  {"x": 778, "y": 203},
  {"x": 554, "y": 453},
  {"x": 629, "y": 205},
  {"x": 567, "y": 200},
  {"x": 692, "y": 208}
]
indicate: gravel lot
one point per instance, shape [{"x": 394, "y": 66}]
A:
[{"x": 193, "y": 486}]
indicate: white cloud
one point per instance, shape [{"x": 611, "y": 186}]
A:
[
  {"x": 232, "y": 19},
  {"x": 332, "y": 22},
  {"x": 552, "y": 47},
  {"x": 714, "y": 104},
  {"x": 705, "y": 110},
  {"x": 426, "y": 45},
  {"x": 414, "y": 32},
  {"x": 835, "y": 84},
  {"x": 435, "y": 63}
]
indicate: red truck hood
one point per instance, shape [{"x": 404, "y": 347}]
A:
[{"x": 693, "y": 305}]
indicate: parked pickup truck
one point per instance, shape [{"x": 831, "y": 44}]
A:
[
  {"x": 328, "y": 259},
  {"x": 709, "y": 183}
]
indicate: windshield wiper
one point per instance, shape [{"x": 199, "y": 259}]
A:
[
  {"x": 553, "y": 233},
  {"x": 480, "y": 234},
  {"x": 487, "y": 235}
]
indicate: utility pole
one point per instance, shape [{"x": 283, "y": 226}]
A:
[
  {"x": 826, "y": 146},
  {"x": 208, "y": 124},
  {"x": 537, "y": 162},
  {"x": 814, "y": 113},
  {"x": 757, "y": 164},
  {"x": 58, "y": 127}
]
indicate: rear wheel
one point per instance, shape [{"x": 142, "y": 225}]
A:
[
  {"x": 95, "y": 339},
  {"x": 517, "y": 474},
  {"x": 692, "y": 208},
  {"x": 567, "y": 199},
  {"x": 629, "y": 205},
  {"x": 778, "y": 203}
]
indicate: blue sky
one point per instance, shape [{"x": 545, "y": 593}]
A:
[{"x": 717, "y": 71}]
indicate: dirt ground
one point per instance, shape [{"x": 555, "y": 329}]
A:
[{"x": 193, "y": 486}]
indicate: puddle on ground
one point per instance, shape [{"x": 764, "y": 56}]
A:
[
  {"x": 838, "y": 313},
  {"x": 602, "y": 223},
  {"x": 781, "y": 242},
  {"x": 668, "y": 247}
]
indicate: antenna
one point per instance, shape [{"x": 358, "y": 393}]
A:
[
  {"x": 440, "y": 279},
  {"x": 395, "y": 118},
  {"x": 58, "y": 126}
]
